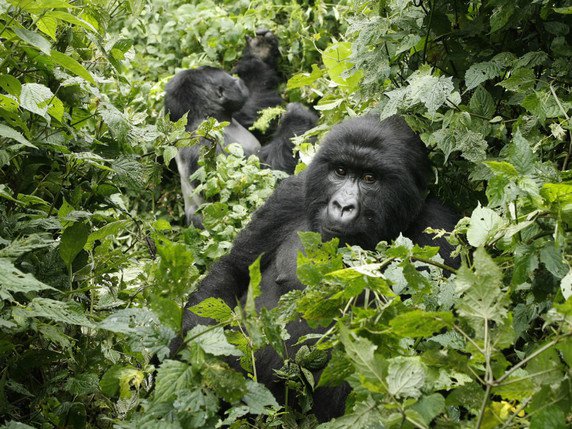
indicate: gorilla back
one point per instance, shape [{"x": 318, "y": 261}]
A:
[{"x": 367, "y": 183}]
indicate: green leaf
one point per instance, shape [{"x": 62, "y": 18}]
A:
[
  {"x": 520, "y": 80},
  {"x": 227, "y": 383},
  {"x": 405, "y": 376},
  {"x": 501, "y": 16},
  {"x": 482, "y": 103},
  {"x": 502, "y": 167},
  {"x": 551, "y": 417},
  {"x": 430, "y": 407},
  {"x": 8, "y": 103},
  {"x": 34, "y": 39},
  {"x": 419, "y": 323},
  {"x": 304, "y": 79},
  {"x": 259, "y": 399},
  {"x": 72, "y": 242},
  {"x": 68, "y": 17},
  {"x": 72, "y": 65},
  {"x": 253, "y": 287},
  {"x": 58, "y": 311},
  {"x": 15, "y": 281},
  {"x": 361, "y": 353},
  {"x": 11, "y": 85},
  {"x": 336, "y": 60},
  {"x": 48, "y": 25},
  {"x": 484, "y": 225},
  {"x": 566, "y": 285},
  {"x": 172, "y": 377},
  {"x": 128, "y": 377},
  {"x": 483, "y": 298},
  {"x": 11, "y": 133},
  {"x": 213, "y": 308},
  {"x": 168, "y": 311},
  {"x": 35, "y": 98},
  {"x": 112, "y": 228},
  {"x": 212, "y": 340},
  {"x": 481, "y": 72}
]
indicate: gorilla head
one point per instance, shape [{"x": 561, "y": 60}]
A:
[
  {"x": 367, "y": 182},
  {"x": 203, "y": 92}
]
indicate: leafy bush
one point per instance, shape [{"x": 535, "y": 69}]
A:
[{"x": 95, "y": 266}]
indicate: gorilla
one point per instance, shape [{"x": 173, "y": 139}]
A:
[
  {"x": 201, "y": 93},
  {"x": 258, "y": 68},
  {"x": 366, "y": 183}
]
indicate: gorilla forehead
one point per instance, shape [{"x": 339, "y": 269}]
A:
[{"x": 368, "y": 143}]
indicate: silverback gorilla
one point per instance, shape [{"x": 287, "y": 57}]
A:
[{"x": 367, "y": 183}]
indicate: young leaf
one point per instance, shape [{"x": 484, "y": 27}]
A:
[
  {"x": 405, "y": 376},
  {"x": 212, "y": 340},
  {"x": 213, "y": 308}
]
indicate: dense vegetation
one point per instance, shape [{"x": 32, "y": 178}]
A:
[{"x": 95, "y": 263}]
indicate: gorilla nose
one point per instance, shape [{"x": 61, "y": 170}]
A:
[{"x": 343, "y": 210}]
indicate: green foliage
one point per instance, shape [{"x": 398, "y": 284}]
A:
[{"x": 95, "y": 265}]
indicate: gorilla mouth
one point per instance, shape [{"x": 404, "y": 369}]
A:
[{"x": 346, "y": 237}]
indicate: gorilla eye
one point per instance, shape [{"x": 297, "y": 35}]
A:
[
  {"x": 340, "y": 170},
  {"x": 368, "y": 178}
]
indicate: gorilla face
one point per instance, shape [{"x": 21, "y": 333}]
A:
[
  {"x": 367, "y": 182},
  {"x": 203, "y": 92},
  {"x": 231, "y": 93}
]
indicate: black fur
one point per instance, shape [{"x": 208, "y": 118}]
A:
[
  {"x": 258, "y": 68},
  {"x": 367, "y": 183},
  {"x": 278, "y": 153}
]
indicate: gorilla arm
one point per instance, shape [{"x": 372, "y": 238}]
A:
[{"x": 270, "y": 226}]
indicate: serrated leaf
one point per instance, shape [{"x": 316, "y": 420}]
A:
[
  {"x": 365, "y": 414},
  {"x": 172, "y": 377},
  {"x": 213, "y": 308},
  {"x": 482, "y": 103},
  {"x": 484, "y": 225},
  {"x": 259, "y": 399},
  {"x": 11, "y": 133},
  {"x": 72, "y": 241},
  {"x": 483, "y": 298},
  {"x": 481, "y": 72},
  {"x": 405, "y": 377},
  {"x": 361, "y": 353},
  {"x": 419, "y": 323},
  {"x": 115, "y": 120},
  {"x": 212, "y": 340},
  {"x": 520, "y": 80},
  {"x": 34, "y": 39},
  {"x": 72, "y": 65},
  {"x": 35, "y": 98},
  {"x": 227, "y": 383},
  {"x": 58, "y": 311},
  {"x": 12, "y": 280}
]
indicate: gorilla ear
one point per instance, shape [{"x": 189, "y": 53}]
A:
[{"x": 220, "y": 91}]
